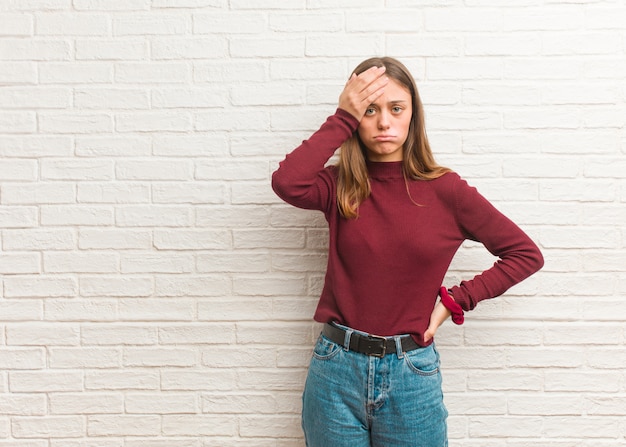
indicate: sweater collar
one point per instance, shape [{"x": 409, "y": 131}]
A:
[{"x": 384, "y": 169}]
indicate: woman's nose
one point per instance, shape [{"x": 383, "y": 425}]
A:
[{"x": 383, "y": 120}]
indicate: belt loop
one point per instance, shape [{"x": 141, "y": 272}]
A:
[
  {"x": 346, "y": 340},
  {"x": 399, "y": 349}
]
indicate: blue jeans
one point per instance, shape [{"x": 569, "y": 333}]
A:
[{"x": 354, "y": 400}]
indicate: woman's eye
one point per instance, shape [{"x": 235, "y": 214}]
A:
[
  {"x": 396, "y": 109},
  {"x": 369, "y": 111}
]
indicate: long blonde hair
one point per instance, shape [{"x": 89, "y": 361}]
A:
[{"x": 418, "y": 162}]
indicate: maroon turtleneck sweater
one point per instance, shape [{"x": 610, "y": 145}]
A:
[{"x": 385, "y": 267}]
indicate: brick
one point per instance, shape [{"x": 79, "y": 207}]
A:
[
  {"x": 64, "y": 24},
  {"x": 225, "y": 22},
  {"x": 260, "y": 426},
  {"x": 193, "y": 193},
  {"x": 404, "y": 20},
  {"x": 16, "y": 25},
  {"x": 234, "y": 309},
  {"x": 122, "y": 380},
  {"x": 174, "y": 98},
  {"x": 123, "y": 425},
  {"x": 482, "y": 404},
  {"x": 518, "y": 380},
  {"x": 174, "y": 48},
  {"x": 139, "y": 25},
  {"x": 230, "y": 71},
  {"x": 162, "y": 357},
  {"x": 61, "y": 215},
  {"x": 205, "y": 285},
  {"x": 543, "y": 19},
  {"x": 162, "y": 403},
  {"x": 205, "y": 380},
  {"x": 232, "y": 403},
  {"x": 18, "y": 73},
  {"x": 75, "y": 72},
  {"x": 17, "y": 122},
  {"x": 187, "y": 3},
  {"x": 48, "y": 427},
  {"x": 111, "y": 50},
  {"x": 45, "y": 287},
  {"x": 598, "y": 427},
  {"x": 17, "y": 358},
  {"x": 201, "y": 425},
  {"x": 117, "y": 335},
  {"x": 71, "y": 123},
  {"x": 157, "y": 263},
  {"x": 206, "y": 333},
  {"x": 153, "y": 170},
  {"x": 79, "y": 310},
  {"x": 192, "y": 239},
  {"x": 268, "y": 47},
  {"x": 282, "y": 379},
  {"x": 152, "y": 122},
  {"x": 20, "y": 264},
  {"x": 231, "y": 170},
  {"x": 551, "y": 405},
  {"x": 118, "y": 192},
  {"x": 45, "y": 381},
  {"x": 35, "y": 146},
  {"x": 244, "y": 216},
  {"x": 35, "y": 50},
  {"x": 90, "y": 146},
  {"x": 34, "y": 98},
  {"x": 148, "y": 216},
  {"x": 23, "y": 405},
  {"x": 122, "y": 286},
  {"x": 211, "y": 145},
  {"x": 21, "y": 310},
  {"x": 114, "y": 239},
  {"x": 497, "y": 426},
  {"x": 38, "y": 193},
  {"x": 17, "y": 170},
  {"x": 229, "y": 262},
  {"x": 351, "y": 45},
  {"x": 74, "y": 262},
  {"x": 86, "y": 403},
  {"x": 232, "y": 120},
  {"x": 43, "y": 334},
  {"x": 83, "y": 358},
  {"x": 518, "y": 44},
  {"x": 111, "y": 5},
  {"x": 268, "y": 4},
  {"x": 153, "y": 72},
  {"x": 260, "y": 333},
  {"x": 157, "y": 309},
  {"x": 108, "y": 98}
]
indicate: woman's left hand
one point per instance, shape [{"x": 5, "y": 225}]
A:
[{"x": 439, "y": 315}]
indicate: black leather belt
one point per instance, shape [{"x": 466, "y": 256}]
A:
[{"x": 368, "y": 344}]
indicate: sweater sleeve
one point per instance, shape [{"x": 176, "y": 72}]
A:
[
  {"x": 519, "y": 257},
  {"x": 299, "y": 179}
]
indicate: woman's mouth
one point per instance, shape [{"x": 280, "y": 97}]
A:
[{"x": 384, "y": 138}]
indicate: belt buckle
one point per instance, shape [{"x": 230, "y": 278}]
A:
[{"x": 380, "y": 341}]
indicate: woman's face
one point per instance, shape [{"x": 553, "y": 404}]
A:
[{"x": 385, "y": 126}]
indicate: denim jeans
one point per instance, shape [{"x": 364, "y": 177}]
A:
[{"x": 354, "y": 400}]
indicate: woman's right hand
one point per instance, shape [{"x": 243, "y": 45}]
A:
[{"x": 362, "y": 90}]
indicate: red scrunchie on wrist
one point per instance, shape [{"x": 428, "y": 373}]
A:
[{"x": 452, "y": 306}]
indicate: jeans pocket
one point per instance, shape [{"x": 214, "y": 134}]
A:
[
  {"x": 423, "y": 361},
  {"x": 325, "y": 349}
]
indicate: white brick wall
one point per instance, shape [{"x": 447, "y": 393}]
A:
[{"x": 149, "y": 276}]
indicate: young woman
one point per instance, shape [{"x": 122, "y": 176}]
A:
[{"x": 395, "y": 219}]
